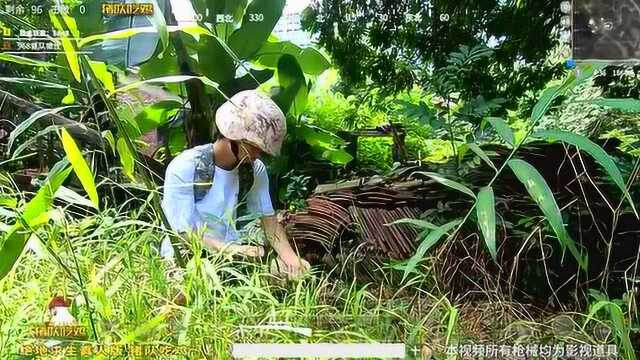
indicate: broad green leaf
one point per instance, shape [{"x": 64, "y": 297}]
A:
[
  {"x": 503, "y": 130},
  {"x": 166, "y": 80},
  {"x": 541, "y": 193},
  {"x": 595, "y": 151},
  {"x": 627, "y": 105},
  {"x": 427, "y": 243},
  {"x": 449, "y": 183},
  {"x": 249, "y": 81},
  {"x": 23, "y": 126},
  {"x": 69, "y": 98},
  {"x": 191, "y": 29},
  {"x": 337, "y": 156},
  {"x": 312, "y": 61},
  {"x": 152, "y": 326},
  {"x": 156, "y": 115},
  {"x": 235, "y": 8},
  {"x": 159, "y": 66},
  {"x": 316, "y": 136},
  {"x": 103, "y": 75},
  {"x": 69, "y": 50},
  {"x": 478, "y": 151},
  {"x": 80, "y": 167},
  {"x": 486, "y": 213},
  {"x": 215, "y": 62},
  {"x": 293, "y": 91},
  {"x": 246, "y": 40},
  {"x": 26, "y": 61},
  {"x": 34, "y": 214},
  {"x": 126, "y": 158}
]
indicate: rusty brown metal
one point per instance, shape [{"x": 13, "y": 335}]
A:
[{"x": 363, "y": 213}]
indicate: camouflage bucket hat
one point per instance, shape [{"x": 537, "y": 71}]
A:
[{"x": 253, "y": 117}]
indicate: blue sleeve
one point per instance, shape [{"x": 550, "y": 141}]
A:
[
  {"x": 258, "y": 198},
  {"x": 178, "y": 202}
]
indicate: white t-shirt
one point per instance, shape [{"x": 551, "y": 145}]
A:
[{"x": 218, "y": 208}]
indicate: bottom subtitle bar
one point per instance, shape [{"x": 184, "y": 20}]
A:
[{"x": 386, "y": 351}]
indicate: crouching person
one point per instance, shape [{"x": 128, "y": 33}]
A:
[{"x": 205, "y": 185}]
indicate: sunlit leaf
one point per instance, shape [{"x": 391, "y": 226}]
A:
[
  {"x": 156, "y": 115},
  {"x": 69, "y": 50},
  {"x": 27, "y": 81},
  {"x": 69, "y": 98},
  {"x": 80, "y": 167},
  {"x": 12, "y": 244},
  {"x": 312, "y": 61},
  {"x": 126, "y": 158},
  {"x": 420, "y": 224},
  {"x": 103, "y": 75}
]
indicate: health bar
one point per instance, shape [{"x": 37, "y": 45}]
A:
[{"x": 388, "y": 351}]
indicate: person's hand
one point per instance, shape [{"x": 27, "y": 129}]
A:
[
  {"x": 292, "y": 265},
  {"x": 246, "y": 250}
]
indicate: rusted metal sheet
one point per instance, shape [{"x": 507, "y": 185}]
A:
[{"x": 364, "y": 214}]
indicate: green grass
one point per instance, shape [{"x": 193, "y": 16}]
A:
[{"x": 132, "y": 291}]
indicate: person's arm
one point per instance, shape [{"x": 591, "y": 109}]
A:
[
  {"x": 219, "y": 246},
  {"x": 277, "y": 237},
  {"x": 259, "y": 202}
]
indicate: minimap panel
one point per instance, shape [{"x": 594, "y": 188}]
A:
[{"x": 606, "y": 30}]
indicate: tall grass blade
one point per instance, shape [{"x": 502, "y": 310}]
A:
[
  {"x": 427, "y": 243},
  {"x": 446, "y": 182},
  {"x": 542, "y": 195},
  {"x": 486, "y": 213},
  {"x": 596, "y": 152},
  {"x": 620, "y": 327},
  {"x": 23, "y": 126}
]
